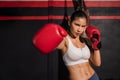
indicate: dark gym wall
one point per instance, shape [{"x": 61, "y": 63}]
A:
[
  {"x": 19, "y": 21},
  {"x": 19, "y": 59}
]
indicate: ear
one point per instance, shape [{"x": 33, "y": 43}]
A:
[{"x": 69, "y": 21}]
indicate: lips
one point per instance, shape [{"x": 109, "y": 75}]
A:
[{"x": 77, "y": 34}]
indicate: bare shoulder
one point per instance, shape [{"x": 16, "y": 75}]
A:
[{"x": 63, "y": 45}]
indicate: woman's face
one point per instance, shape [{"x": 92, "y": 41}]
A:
[{"x": 78, "y": 26}]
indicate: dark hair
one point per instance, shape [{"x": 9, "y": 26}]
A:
[
  {"x": 80, "y": 14},
  {"x": 77, "y": 14}
]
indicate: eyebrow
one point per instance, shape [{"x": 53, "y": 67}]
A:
[{"x": 79, "y": 24}]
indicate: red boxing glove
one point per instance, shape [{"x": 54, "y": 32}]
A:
[
  {"x": 49, "y": 37},
  {"x": 94, "y": 34}
]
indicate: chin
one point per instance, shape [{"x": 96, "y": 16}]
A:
[{"x": 76, "y": 36}]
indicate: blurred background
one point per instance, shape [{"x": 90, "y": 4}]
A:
[{"x": 21, "y": 19}]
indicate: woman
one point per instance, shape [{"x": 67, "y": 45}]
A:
[{"x": 76, "y": 53}]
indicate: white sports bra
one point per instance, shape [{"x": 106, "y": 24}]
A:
[{"x": 76, "y": 55}]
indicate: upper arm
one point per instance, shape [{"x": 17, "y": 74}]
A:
[{"x": 62, "y": 44}]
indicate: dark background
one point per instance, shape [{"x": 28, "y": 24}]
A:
[{"x": 20, "y": 60}]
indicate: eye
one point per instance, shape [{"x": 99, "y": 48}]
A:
[
  {"x": 83, "y": 25},
  {"x": 77, "y": 24}
]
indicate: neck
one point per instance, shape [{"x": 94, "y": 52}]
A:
[{"x": 71, "y": 35}]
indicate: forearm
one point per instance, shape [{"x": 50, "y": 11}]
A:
[{"x": 96, "y": 58}]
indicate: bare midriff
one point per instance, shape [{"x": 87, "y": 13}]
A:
[{"x": 82, "y": 71}]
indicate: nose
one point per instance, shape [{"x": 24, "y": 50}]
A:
[{"x": 79, "y": 29}]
